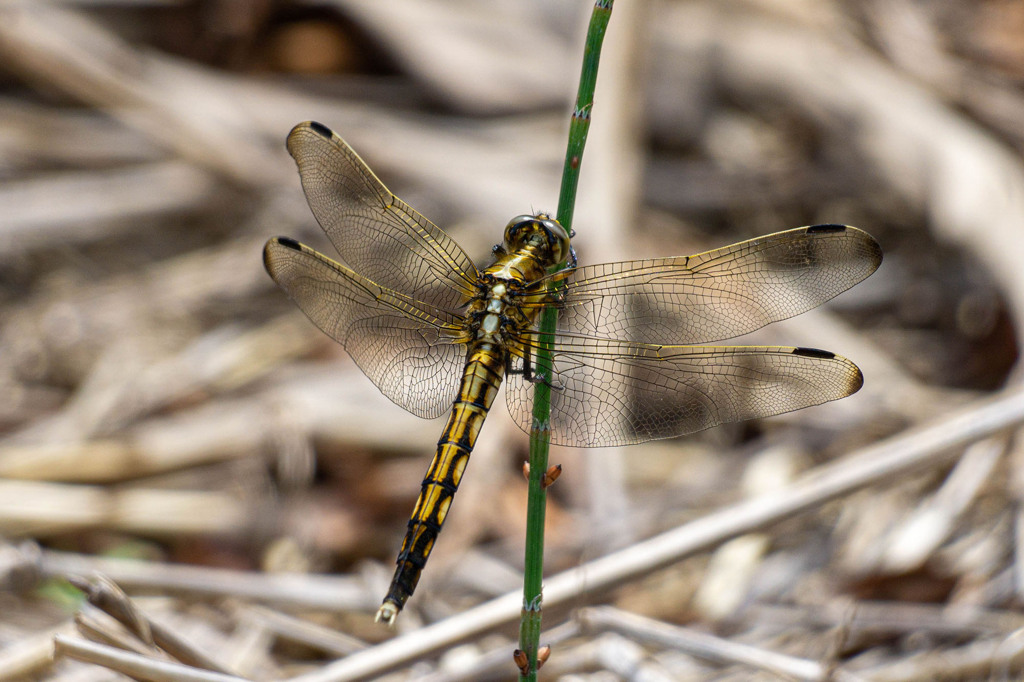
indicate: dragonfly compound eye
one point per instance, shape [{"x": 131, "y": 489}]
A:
[
  {"x": 516, "y": 231},
  {"x": 558, "y": 239}
]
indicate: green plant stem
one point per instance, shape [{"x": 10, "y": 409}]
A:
[{"x": 540, "y": 433}]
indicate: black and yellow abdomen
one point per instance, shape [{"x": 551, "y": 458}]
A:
[{"x": 485, "y": 365}]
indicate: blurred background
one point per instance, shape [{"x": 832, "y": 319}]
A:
[{"x": 163, "y": 401}]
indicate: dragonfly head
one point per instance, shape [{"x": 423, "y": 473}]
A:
[{"x": 541, "y": 234}]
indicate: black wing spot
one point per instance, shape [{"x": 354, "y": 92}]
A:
[
  {"x": 814, "y": 353},
  {"x": 321, "y": 129},
  {"x": 823, "y": 229},
  {"x": 289, "y": 243}
]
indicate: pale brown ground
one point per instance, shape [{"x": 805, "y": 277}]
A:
[{"x": 162, "y": 400}]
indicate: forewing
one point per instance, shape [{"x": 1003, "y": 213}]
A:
[
  {"x": 408, "y": 348},
  {"x": 717, "y": 294},
  {"x": 618, "y": 393},
  {"x": 377, "y": 234}
]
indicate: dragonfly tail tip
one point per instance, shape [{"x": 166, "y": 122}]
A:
[{"x": 387, "y": 613}]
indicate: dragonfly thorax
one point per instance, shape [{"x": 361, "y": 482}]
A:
[
  {"x": 533, "y": 244},
  {"x": 488, "y": 311}
]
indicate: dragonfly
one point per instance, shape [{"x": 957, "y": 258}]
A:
[{"x": 630, "y": 359}]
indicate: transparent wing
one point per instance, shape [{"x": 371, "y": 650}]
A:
[
  {"x": 410, "y": 349},
  {"x": 377, "y": 234},
  {"x": 619, "y": 393},
  {"x": 717, "y": 294}
]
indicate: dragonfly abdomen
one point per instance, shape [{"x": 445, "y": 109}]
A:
[{"x": 485, "y": 364}]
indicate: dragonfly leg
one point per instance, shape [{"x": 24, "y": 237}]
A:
[
  {"x": 572, "y": 261},
  {"x": 527, "y": 373}
]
